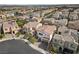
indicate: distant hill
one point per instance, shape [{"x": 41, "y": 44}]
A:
[{"x": 46, "y": 6}]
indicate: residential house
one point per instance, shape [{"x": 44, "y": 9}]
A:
[
  {"x": 45, "y": 33},
  {"x": 1, "y": 20},
  {"x": 10, "y": 26},
  {"x": 65, "y": 38},
  {"x": 65, "y": 13},
  {"x": 37, "y": 19},
  {"x": 46, "y": 11},
  {"x": 73, "y": 16},
  {"x": 59, "y": 22},
  {"x": 2, "y": 16},
  {"x": 76, "y": 10},
  {"x": 65, "y": 43},
  {"x": 9, "y": 14},
  {"x": 57, "y": 15},
  {"x": 36, "y": 14},
  {"x": 48, "y": 20},
  {"x": 32, "y": 26},
  {"x": 74, "y": 24},
  {"x": 23, "y": 17},
  {"x": 64, "y": 30}
]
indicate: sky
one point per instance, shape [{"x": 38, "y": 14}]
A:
[{"x": 35, "y": 2}]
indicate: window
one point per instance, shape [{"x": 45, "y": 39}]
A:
[
  {"x": 16, "y": 26},
  {"x": 5, "y": 28},
  {"x": 61, "y": 42},
  {"x": 59, "y": 33},
  {"x": 72, "y": 45},
  {"x": 78, "y": 30},
  {"x": 66, "y": 44},
  {"x": 13, "y": 32},
  {"x": 33, "y": 28},
  {"x": 40, "y": 34},
  {"x": 66, "y": 31},
  {"x": 55, "y": 40}
]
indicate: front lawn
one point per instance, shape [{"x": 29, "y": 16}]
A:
[
  {"x": 31, "y": 38},
  {"x": 21, "y": 22}
]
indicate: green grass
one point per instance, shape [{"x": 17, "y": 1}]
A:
[
  {"x": 21, "y": 22},
  {"x": 31, "y": 38}
]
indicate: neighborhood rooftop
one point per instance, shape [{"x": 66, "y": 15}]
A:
[{"x": 47, "y": 28}]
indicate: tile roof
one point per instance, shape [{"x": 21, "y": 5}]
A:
[
  {"x": 9, "y": 24},
  {"x": 31, "y": 25},
  {"x": 47, "y": 28},
  {"x": 67, "y": 38},
  {"x": 74, "y": 24}
]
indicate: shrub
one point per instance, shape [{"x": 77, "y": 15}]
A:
[
  {"x": 17, "y": 34},
  {"x": 1, "y": 36},
  {"x": 31, "y": 38},
  {"x": 52, "y": 49},
  {"x": 26, "y": 36}
]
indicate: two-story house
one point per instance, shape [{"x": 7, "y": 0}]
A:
[
  {"x": 65, "y": 13},
  {"x": 54, "y": 21},
  {"x": 31, "y": 27},
  {"x": 10, "y": 26},
  {"x": 66, "y": 39},
  {"x": 73, "y": 16},
  {"x": 57, "y": 15},
  {"x": 45, "y": 33},
  {"x": 65, "y": 43},
  {"x": 74, "y": 24}
]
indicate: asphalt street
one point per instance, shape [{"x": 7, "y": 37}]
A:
[{"x": 16, "y": 47}]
